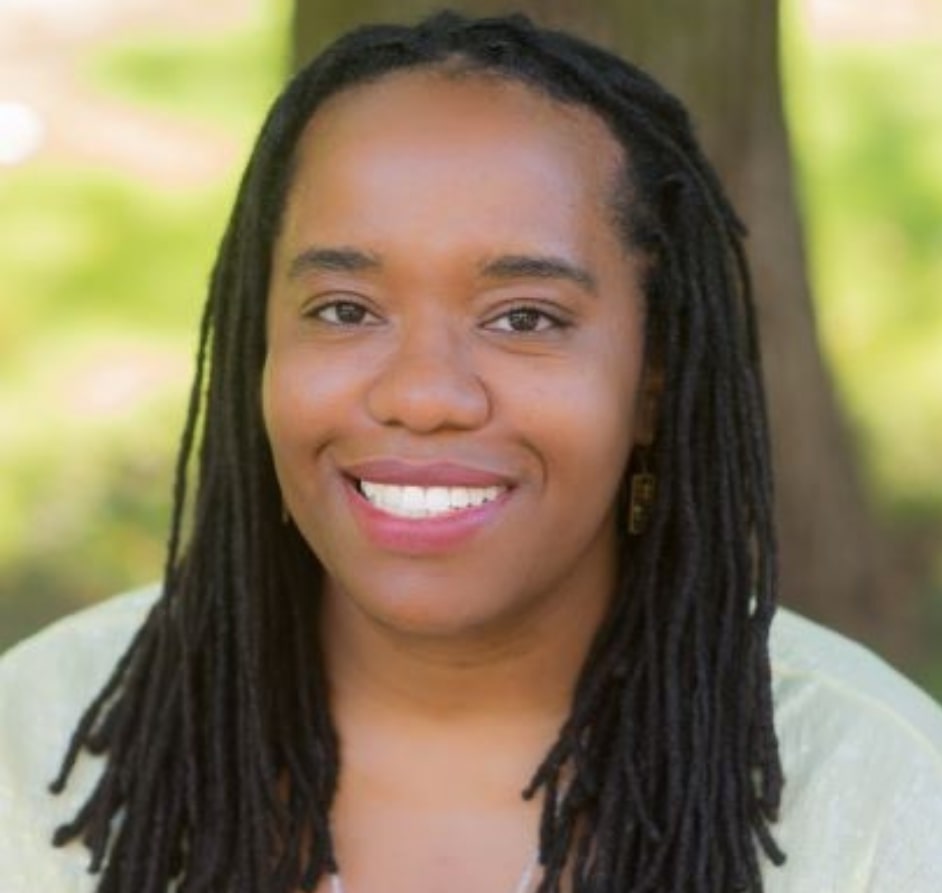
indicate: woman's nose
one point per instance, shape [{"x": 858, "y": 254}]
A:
[{"x": 429, "y": 382}]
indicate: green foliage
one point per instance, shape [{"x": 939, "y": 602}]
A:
[
  {"x": 868, "y": 130},
  {"x": 90, "y": 250},
  {"x": 226, "y": 78},
  {"x": 104, "y": 278},
  {"x": 106, "y": 281}
]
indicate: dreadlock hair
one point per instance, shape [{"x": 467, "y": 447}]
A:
[{"x": 221, "y": 757}]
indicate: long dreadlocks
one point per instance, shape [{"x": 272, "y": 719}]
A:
[{"x": 671, "y": 760}]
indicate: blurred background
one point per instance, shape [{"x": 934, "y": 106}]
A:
[{"x": 123, "y": 129}]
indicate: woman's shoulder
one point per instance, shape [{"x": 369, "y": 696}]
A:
[
  {"x": 99, "y": 624},
  {"x": 816, "y": 669},
  {"x": 70, "y": 658},
  {"x": 861, "y": 748},
  {"x": 46, "y": 682}
]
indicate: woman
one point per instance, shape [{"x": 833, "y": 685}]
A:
[{"x": 483, "y": 508}]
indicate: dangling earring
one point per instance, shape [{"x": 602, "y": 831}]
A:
[{"x": 642, "y": 489}]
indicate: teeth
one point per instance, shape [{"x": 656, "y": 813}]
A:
[{"x": 424, "y": 502}]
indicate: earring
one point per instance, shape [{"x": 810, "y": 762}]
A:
[
  {"x": 642, "y": 489},
  {"x": 285, "y": 517}
]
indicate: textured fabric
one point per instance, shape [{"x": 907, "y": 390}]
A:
[{"x": 862, "y": 748}]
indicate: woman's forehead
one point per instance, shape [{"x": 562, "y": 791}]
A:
[
  {"x": 427, "y": 105},
  {"x": 455, "y": 144}
]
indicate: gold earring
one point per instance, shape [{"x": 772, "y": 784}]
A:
[{"x": 642, "y": 490}]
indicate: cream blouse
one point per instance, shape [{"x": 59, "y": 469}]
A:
[{"x": 861, "y": 746}]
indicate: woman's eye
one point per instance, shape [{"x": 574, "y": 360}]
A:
[
  {"x": 344, "y": 313},
  {"x": 525, "y": 320}
]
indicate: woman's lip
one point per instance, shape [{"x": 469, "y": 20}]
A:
[
  {"x": 426, "y": 535},
  {"x": 425, "y": 474}
]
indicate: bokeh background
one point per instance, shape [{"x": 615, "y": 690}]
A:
[{"x": 123, "y": 128}]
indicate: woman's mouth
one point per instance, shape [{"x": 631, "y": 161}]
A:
[
  {"x": 418, "y": 508},
  {"x": 410, "y": 501}
]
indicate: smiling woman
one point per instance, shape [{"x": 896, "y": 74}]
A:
[{"x": 479, "y": 586}]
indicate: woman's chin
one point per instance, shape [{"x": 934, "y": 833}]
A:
[{"x": 443, "y": 616}]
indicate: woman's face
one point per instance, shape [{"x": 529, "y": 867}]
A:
[{"x": 454, "y": 353}]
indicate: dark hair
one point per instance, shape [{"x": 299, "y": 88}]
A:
[{"x": 221, "y": 757}]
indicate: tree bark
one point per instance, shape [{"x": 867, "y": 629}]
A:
[{"x": 722, "y": 60}]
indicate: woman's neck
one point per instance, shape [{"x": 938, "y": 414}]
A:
[
  {"x": 439, "y": 737},
  {"x": 524, "y": 672}
]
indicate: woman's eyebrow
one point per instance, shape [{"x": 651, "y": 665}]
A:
[
  {"x": 516, "y": 266},
  {"x": 331, "y": 260},
  {"x": 508, "y": 266}
]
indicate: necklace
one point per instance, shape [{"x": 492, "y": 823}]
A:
[{"x": 523, "y": 885}]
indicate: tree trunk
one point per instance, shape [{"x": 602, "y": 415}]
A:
[{"x": 722, "y": 60}]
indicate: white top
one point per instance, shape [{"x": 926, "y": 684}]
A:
[{"x": 861, "y": 746}]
